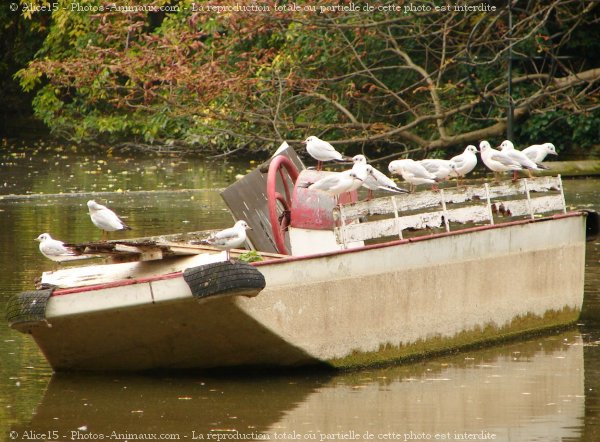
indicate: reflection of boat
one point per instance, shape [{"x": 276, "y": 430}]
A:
[
  {"x": 530, "y": 390},
  {"x": 90, "y": 406},
  {"x": 524, "y": 391},
  {"x": 365, "y": 282}
]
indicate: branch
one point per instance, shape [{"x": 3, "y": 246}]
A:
[{"x": 337, "y": 104}]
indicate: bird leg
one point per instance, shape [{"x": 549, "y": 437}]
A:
[
  {"x": 369, "y": 195},
  {"x": 104, "y": 236},
  {"x": 319, "y": 165},
  {"x": 515, "y": 175}
]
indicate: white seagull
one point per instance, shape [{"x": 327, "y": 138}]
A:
[
  {"x": 321, "y": 151},
  {"x": 441, "y": 169},
  {"x": 495, "y": 160},
  {"x": 412, "y": 172},
  {"x": 104, "y": 218},
  {"x": 53, "y": 249},
  {"x": 337, "y": 183},
  {"x": 232, "y": 238},
  {"x": 374, "y": 178},
  {"x": 537, "y": 152},
  {"x": 508, "y": 148},
  {"x": 465, "y": 162}
]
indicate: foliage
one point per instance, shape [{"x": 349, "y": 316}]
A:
[
  {"x": 564, "y": 128},
  {"x": 221, "y": 79},
  {"x": 20, "y": 38},
  {"x": 250, "y": 256}
]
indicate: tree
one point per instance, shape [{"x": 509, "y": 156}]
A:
[{"x": 218, "y": 75}]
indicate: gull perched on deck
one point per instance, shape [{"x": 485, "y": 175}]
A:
[
  {"x": 495, "y": 160},
  {"x": 508, "y": 148},
  {"x": 105, "y": 219},
  {"x": 321, "y": 151},
  {"x": 465, "y": 162},
  {"x": 412, "y": 172},
  {"x": 537, "y": 152},
  {"x": 232, "y": 238},
  {"x": 53, "y": 249},
  {"x": 374, "y": 178}
]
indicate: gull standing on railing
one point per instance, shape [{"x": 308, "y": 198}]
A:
[
  {"x": 464, "y": 163},
  {"x": 497, "y": 161},
  {"x": 508, "y": 148},
  {"x": 412, "y": 172},
  {"x": 374, "y": 178},
  {"x": 537, "y": 153},
  {"x": 441, "y": 169}
]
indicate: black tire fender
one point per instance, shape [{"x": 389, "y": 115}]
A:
[{"x": 224, "y": 279}]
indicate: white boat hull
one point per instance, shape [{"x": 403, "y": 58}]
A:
[{"x": 372, "y": 304}]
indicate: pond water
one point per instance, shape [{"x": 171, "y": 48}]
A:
[{"x": 542, "y": 389}]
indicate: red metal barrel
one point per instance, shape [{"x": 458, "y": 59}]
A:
[{"x": 313, "y": 209}]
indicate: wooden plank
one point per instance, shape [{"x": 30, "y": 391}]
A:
[
  {"x": 543, "y": 204},
  {"x": 146, "y": 253},
  {"x": 106, "y": 273},
  {"x": 462, "y": 215},
  {"x": 471, "y": 214},
  {"x": 389, "y": 226},
  {"x": 428, "y": 199}
]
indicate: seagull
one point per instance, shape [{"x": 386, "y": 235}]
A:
[
  {"x": 322, "y": 151},
  {"x": 336, "y": 183},
  {"x": 105, "y": 219},
  {"x": 374, "y": 178},
  {"x": 231, "y": 238},
  {"x": 508, "y": 148},
  {"x": 465, "y": 162},
  {"x": 52, "y": 248},
  {"x": 440, "y": 168},
  {"x": 538, "y": 152},
  {"x": 495, "y": 160},
  {"x": 412, "y": 172}
]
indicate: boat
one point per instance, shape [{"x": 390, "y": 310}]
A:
[{"x": 339, "y": 284}]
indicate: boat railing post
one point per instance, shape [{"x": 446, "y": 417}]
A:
[
  {"x": 342, "y": 225},
  {"x": 562, "y": 193},
  {"x": 396, "y": 217},
  {"x": 489, "y": 203},
  {"x": 444, "y": 211},
  {"x": 529, "y": 206}
]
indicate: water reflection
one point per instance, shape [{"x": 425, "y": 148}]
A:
[{"x": 532, "y": 390}]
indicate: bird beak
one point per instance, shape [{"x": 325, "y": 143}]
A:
[{"x": 553, "y": 153}]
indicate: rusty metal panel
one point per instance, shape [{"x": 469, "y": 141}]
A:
[{"x": 247, "y": 200}]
